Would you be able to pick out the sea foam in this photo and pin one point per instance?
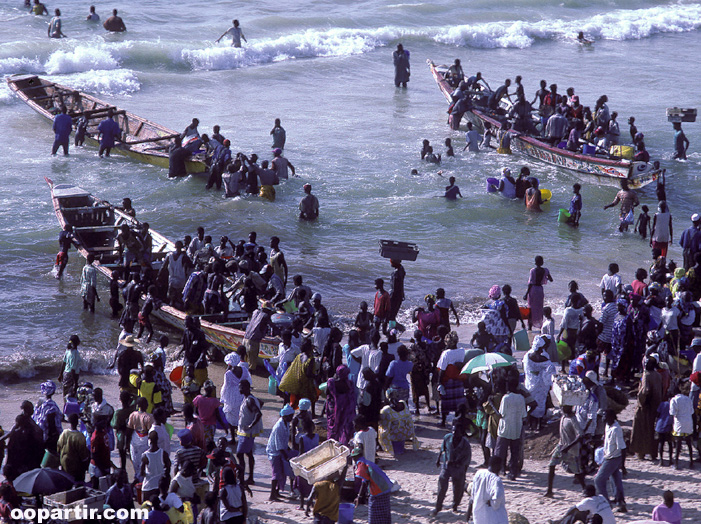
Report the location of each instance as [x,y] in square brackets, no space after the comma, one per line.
[616,25]
[80,59]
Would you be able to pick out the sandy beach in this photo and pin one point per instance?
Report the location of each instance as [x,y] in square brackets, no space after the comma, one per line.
[416,472]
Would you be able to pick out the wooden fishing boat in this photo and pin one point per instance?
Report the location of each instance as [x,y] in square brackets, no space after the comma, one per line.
[142,139]
[96,224]
[607,169]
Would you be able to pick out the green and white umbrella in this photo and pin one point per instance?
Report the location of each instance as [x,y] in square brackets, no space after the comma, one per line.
[486,362]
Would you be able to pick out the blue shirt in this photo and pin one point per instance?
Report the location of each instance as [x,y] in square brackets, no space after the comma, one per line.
[63,125]
[277,441]
[575,204]
[452,192]
[397,371]
[664,420]
[110,130]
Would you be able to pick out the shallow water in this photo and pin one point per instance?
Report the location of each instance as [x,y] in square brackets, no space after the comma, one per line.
[325,69]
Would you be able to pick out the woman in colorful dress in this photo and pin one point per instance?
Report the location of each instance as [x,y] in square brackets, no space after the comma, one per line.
[340,406]
[538,277]
[396,425]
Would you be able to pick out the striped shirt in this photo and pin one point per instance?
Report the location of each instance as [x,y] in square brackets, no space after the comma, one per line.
[608,315]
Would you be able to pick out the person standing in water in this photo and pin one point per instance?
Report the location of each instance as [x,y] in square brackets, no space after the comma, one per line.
[681,143]
[114,23]
[402,69]
[55,26]
[452,191]
[628,199]
[92,15]
[63,125]
[279,135]
[309,205]
[236,34]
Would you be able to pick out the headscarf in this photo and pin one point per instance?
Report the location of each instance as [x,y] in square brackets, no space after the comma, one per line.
[494,292]
[305,404]
[48,388]
[232,359]
[451,340]
[538,342]
[287,410]
[679,272]
[342,372]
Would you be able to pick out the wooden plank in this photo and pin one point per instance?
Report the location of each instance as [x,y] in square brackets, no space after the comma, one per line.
[155,139]
[96,228]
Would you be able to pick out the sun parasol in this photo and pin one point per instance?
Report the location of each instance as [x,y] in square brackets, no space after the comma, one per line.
[43,481]
[486,362]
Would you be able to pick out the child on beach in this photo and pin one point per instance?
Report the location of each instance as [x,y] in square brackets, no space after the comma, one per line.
[642,226]
[481,339]
[682,409]
[663,431]
[365,437]
[363,323]
[305,442]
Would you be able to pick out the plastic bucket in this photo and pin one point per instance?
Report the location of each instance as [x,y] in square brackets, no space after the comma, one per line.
[492,185]
[563,215]
[345,513]
[545,195]
[521,340]
[588,149]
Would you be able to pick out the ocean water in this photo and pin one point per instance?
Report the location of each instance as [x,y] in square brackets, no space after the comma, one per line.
[325,69]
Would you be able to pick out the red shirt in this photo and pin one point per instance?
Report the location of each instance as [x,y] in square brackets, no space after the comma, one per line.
[207,408]
[100,449]
[382,304]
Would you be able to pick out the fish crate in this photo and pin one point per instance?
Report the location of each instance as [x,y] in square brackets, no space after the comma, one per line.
[82,498]
[563,392]
[678,114]
[398,250]
[323,461]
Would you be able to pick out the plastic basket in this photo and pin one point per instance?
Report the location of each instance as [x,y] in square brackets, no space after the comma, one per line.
[398,250]
[492,185]
[563,215]
[78,497]
[567,397]
[521,340]
[588,149]
[321,462]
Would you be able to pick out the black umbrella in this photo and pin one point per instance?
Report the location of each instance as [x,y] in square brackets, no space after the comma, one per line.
[43,481]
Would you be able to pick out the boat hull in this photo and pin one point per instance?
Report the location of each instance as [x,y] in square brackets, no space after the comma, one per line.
[97,235]
[150,139]
[638,174]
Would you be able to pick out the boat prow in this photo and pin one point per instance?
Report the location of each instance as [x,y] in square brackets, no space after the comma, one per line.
[142,139]
[608,170]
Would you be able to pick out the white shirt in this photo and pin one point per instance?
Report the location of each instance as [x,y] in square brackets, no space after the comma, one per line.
[368,439]
[513,411]
[369,358]
[488,487]
[450,356]
[598,505]
[612,282]
[681,408]
[613,441]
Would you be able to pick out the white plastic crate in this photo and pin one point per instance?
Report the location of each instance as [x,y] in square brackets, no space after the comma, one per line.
[323,461]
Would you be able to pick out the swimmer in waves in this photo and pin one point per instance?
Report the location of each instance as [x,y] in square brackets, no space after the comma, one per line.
[582,40]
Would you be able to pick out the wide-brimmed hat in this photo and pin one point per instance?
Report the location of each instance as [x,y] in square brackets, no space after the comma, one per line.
[129,341]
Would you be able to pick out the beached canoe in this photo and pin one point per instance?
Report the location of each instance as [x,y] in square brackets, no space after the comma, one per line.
[142,139]
[96,224]
[610,170]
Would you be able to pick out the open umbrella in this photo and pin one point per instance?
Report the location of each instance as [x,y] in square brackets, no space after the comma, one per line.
[43,481]
[486,362]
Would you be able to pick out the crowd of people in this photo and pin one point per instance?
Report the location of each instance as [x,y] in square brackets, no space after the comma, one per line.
[371,383]
[558,119]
